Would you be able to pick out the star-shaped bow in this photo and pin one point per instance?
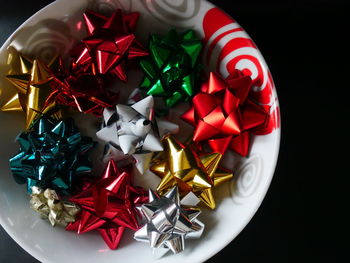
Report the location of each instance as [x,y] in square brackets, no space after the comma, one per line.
[109,205]
[135,131]
[109,45]
[97,60]
[52,155]
[169,223]
[223,114]
[172,70]
[35,83]
[181,165]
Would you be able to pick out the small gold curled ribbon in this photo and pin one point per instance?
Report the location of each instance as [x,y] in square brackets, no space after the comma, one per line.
[49,206]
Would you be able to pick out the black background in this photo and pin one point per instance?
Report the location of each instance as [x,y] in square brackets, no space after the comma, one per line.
[305,45]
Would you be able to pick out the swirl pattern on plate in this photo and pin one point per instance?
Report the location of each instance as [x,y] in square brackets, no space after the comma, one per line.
[107,7]
[174,12]
[44,40]
[249,175]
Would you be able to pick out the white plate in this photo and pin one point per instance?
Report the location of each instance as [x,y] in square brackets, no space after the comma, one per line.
[54,29]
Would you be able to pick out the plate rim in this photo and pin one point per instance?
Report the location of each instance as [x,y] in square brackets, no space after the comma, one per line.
[224,243]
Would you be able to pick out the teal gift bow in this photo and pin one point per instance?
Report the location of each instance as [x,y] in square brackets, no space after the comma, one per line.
[52,154]
[172,69]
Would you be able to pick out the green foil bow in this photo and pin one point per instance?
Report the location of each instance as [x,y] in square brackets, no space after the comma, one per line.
[172,68]
[52,155]
[50,207]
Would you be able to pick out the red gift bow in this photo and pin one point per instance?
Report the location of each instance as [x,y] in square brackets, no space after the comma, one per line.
[109,205]
[109,45]
[97,60]
[86,92]
[223,114]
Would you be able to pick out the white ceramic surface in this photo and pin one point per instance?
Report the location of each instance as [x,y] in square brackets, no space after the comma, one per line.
[55,29]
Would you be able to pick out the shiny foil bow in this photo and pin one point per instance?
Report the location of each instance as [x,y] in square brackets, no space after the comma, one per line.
[169,223]
[86,92]
[109,205]
[97,60]
[50,207]
[172,70]
[34,82]
[109,45]
[193,172]
[135,131]
[223,114]
[52,155]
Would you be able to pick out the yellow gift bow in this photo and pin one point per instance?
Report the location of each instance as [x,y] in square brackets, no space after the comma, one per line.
[32,80]
[180,165]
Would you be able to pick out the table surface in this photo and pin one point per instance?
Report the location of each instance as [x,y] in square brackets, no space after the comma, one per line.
[304,45]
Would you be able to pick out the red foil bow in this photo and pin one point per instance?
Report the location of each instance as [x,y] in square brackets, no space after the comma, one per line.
[97,60]
[223,114]
[109,205]
[86,92]
[109,45]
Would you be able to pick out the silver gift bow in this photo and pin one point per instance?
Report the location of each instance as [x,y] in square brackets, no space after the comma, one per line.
[169,223]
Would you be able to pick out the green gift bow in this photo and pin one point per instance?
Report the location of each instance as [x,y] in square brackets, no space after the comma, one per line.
[172,69]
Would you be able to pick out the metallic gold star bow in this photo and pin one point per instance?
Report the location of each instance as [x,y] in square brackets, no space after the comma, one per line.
[34,82]
[197,172]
